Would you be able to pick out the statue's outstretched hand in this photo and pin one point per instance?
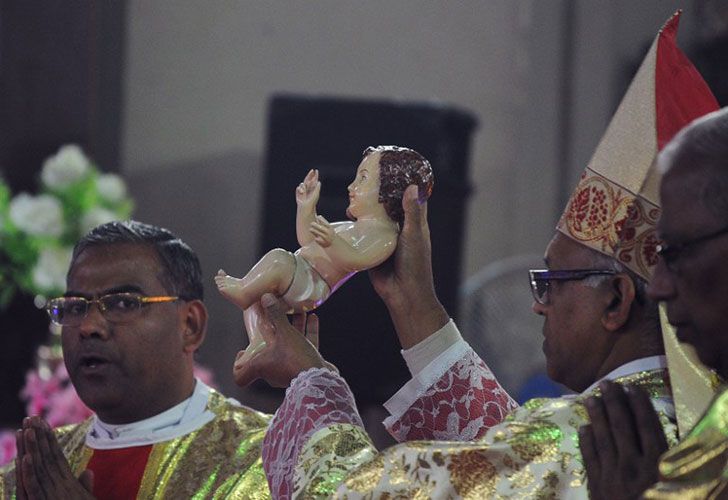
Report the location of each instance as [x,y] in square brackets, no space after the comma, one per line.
[307,192]
[322,231]
[284,352]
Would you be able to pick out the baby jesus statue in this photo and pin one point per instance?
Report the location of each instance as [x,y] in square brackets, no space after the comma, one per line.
[331,253]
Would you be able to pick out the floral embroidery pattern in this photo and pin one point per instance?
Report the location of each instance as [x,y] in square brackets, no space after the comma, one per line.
[461,406]
[606,217]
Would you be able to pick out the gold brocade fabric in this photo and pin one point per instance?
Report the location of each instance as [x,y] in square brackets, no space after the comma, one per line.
[219,460]
[698,466]
[534,453]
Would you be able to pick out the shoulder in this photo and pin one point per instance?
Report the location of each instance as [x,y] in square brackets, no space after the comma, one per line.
[73,435]
[232,413]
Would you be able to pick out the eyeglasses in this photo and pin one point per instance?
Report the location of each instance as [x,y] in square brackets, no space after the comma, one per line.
[671,254]
[115,307]
[541,278]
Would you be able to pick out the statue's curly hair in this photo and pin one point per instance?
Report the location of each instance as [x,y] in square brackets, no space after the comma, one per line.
[398,168]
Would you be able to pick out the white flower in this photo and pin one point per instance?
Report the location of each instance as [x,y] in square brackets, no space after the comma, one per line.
[111,187]
[95,217]
[50,271]
[37,215]
[66,167]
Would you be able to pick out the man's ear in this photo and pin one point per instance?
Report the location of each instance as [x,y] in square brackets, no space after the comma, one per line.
[622,295]
[194,324]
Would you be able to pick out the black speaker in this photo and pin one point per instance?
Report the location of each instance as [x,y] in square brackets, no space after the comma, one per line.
[330,134]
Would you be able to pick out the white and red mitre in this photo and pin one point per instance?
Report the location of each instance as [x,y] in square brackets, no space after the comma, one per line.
[615,206]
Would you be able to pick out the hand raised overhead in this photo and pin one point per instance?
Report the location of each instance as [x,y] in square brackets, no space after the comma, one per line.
[405,282]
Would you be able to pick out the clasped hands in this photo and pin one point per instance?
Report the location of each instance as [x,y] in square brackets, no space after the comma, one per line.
[41,469]
[623,443]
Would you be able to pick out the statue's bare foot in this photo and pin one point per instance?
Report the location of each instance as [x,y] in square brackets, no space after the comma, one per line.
[231,288]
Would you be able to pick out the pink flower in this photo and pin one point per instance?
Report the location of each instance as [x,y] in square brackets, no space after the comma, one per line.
[7,446]
[205,375]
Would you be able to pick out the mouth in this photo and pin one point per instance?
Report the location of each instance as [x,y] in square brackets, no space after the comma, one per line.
[93,363]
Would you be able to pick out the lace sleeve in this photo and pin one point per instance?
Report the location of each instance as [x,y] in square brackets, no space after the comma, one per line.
[316,398]
[456,398]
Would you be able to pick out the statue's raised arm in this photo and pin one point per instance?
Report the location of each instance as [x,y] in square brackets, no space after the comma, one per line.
[307,196]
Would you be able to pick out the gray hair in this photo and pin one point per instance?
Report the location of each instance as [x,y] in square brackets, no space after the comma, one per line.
[704,145]
[182,273]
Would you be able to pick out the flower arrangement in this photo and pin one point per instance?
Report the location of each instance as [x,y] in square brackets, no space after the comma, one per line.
[37,232]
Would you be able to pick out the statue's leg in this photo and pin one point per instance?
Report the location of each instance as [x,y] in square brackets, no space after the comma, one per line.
[272,274]
[251,317]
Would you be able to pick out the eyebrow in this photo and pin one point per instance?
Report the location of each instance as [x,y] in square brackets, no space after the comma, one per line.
[116,289]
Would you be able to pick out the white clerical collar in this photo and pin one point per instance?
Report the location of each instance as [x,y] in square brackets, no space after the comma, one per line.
[638,365]
[181,419]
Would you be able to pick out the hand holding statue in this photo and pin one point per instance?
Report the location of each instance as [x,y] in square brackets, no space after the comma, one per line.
[41,469]
[331,253]
[405,282]
[284,351]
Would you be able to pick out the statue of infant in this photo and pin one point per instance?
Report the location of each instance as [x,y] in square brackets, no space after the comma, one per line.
[331,253]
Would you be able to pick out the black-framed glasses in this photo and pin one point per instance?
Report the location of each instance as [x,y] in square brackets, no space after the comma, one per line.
[115,307]
[541,278]
[671,254]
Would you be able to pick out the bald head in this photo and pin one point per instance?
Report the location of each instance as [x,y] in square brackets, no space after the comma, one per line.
[698,156]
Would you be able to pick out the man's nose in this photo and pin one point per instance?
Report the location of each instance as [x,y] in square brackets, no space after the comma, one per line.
[661,286]
[538,308]
[94,323]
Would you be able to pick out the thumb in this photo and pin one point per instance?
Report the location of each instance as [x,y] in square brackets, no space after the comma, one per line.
[245,372]
[87,480]
[274,313]
[414,211]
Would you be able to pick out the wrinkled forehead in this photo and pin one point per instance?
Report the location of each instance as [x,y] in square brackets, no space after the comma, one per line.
[683,186]
[103,267]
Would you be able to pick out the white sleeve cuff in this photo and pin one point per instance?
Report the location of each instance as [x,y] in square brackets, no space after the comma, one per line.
[398,404]
[420,355]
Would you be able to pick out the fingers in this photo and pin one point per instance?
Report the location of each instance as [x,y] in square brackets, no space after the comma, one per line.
[651,435]
[51,443]
[602,432]
[299,322]
[588,447]
[414,211]
[245,372]
[20,445]
[621,420]
[35,475]
[274,313]
[312,330]
[30,483]
[87,480]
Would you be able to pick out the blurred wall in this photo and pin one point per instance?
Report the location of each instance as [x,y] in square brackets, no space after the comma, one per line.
[543,77]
